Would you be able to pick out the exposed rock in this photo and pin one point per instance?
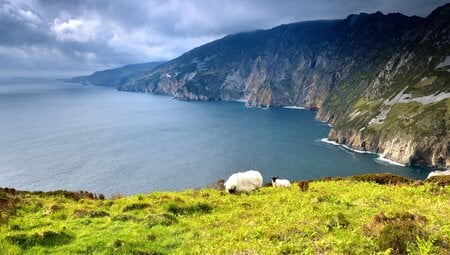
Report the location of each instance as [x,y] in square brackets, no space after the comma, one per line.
[431,152]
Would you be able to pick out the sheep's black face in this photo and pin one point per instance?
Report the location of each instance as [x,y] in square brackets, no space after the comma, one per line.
[274,178]
[232,191]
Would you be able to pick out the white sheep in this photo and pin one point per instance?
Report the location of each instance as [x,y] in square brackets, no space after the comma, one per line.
[280,182]
[244,181]
[438,173]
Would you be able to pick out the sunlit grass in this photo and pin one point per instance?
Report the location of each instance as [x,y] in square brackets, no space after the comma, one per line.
[335,217]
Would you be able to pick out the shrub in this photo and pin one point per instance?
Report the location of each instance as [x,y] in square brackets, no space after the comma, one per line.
[80,213]
[164,219]
[443,180]
[67,194]
[8,203]
[396,232]
[384,179]
[178,209]
[338,221]
[47,238]
[98,214]
[303,185]
[218,185]
[135,206]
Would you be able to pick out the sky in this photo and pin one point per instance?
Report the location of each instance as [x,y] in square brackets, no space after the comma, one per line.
[70,37]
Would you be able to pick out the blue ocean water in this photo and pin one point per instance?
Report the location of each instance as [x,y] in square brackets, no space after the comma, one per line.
[56,135]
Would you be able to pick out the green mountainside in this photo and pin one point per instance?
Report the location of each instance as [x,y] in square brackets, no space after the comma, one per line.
[368,214]
[383,81]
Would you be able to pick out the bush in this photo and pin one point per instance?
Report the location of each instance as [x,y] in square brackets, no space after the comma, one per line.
[80,213]
[303,185]
[178,209]
[384,179]
[164,219]
[396,232]
[443,180]
[136,206]
[8,203]
[47,238]
[338,221]
[67,194]
[218,185]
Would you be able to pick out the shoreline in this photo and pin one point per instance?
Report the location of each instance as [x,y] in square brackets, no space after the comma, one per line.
[380,158]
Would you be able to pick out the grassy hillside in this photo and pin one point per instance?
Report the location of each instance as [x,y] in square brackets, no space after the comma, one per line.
[331,217]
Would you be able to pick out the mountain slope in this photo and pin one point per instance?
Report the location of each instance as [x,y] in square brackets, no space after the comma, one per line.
[350,69]
[116,76]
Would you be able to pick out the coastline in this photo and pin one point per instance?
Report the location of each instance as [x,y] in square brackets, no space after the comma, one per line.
[380,158]
[294,107]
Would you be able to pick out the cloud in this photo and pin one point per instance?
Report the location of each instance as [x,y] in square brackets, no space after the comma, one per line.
[80,35]
[80,29]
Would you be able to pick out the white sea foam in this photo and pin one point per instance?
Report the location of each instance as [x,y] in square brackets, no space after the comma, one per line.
[325,140]
[294,107]
[380,158]
[357,151]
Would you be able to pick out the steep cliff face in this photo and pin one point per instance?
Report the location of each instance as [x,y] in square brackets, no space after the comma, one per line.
[381,80]
[404,111]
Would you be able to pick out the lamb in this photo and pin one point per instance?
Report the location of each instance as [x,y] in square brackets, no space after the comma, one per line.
[280,182]
[244,181]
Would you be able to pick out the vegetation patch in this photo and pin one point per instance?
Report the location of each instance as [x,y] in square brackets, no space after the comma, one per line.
[80,213]
[47,238]
[218,185]
[135,206]
[303,185]
[8,203]
[405,233]
[178,209]
[338,221]
[384,179]
[443,180]
[67,194]
[164,219]
[125,217]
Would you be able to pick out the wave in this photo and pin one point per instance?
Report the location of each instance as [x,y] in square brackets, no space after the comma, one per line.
[325,140]
[294,107]
[380,158]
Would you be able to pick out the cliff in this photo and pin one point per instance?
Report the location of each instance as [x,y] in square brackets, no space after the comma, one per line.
[381,80]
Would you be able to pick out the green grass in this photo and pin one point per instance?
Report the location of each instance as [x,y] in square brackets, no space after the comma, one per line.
[331,217]
[417,119]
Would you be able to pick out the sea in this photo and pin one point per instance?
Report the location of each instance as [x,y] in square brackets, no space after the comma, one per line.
[57,135]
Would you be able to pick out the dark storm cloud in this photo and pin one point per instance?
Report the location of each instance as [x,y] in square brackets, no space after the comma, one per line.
[85,35]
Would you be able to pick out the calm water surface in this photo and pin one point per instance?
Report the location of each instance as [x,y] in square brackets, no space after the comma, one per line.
[56,135]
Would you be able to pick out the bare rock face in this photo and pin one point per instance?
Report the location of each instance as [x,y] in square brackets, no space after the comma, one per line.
[429,152]
[350,69]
